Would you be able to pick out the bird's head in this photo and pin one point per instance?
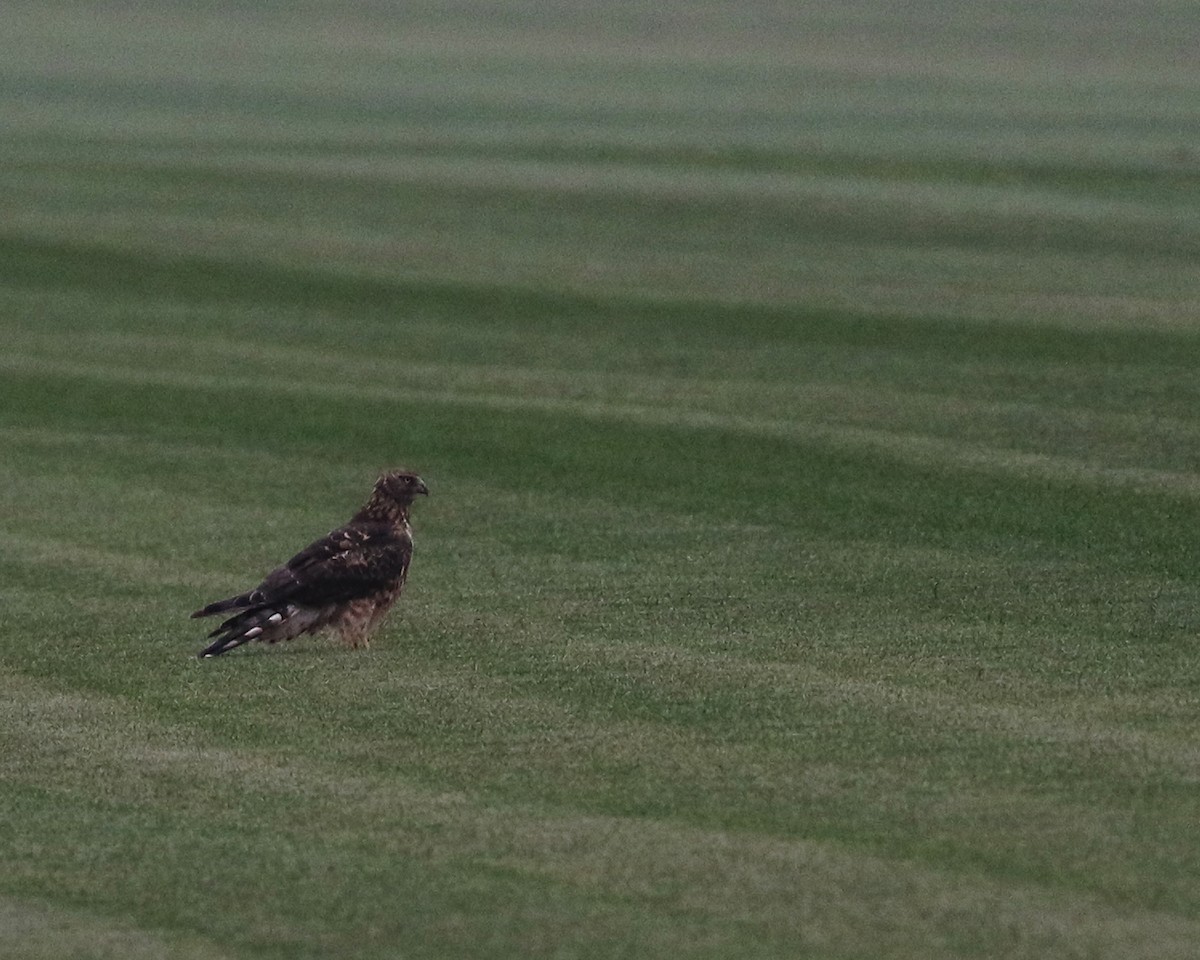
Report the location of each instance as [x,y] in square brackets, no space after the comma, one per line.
[400,486]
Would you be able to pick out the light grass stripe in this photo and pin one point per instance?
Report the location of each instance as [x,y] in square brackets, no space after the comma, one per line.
[1094,727]
[31,930]
[50,551]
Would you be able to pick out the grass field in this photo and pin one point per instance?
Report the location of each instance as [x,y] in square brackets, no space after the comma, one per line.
[809,400]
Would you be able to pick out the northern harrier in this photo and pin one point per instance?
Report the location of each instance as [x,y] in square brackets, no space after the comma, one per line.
[345,581]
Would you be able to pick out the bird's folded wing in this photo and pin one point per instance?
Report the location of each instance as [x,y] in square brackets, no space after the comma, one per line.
[350,562]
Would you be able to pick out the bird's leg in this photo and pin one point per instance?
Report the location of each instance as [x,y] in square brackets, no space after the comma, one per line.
[354,624]
[353,634]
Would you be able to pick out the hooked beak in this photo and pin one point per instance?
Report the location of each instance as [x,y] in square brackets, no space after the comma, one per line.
[421,488]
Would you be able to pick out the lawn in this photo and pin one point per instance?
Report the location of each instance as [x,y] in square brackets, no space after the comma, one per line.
[809,402]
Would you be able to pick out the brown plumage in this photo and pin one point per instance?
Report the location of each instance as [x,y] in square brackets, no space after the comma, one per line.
[345,581]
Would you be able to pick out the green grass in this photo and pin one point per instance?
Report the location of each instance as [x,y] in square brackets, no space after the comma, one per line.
[809,403]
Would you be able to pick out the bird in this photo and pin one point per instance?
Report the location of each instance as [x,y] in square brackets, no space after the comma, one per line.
[345,581]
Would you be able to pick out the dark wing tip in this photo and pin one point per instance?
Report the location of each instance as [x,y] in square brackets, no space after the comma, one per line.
[209,609]
[232,603]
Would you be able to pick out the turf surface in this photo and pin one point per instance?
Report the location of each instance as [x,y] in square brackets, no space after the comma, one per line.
[809,404]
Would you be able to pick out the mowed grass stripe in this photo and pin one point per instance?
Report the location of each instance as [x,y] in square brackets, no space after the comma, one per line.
[129,287]
[577,886]
[805,405]
[846,899]
[893,258]
[35,930]
[915,450]
[1151,184]
[842,207]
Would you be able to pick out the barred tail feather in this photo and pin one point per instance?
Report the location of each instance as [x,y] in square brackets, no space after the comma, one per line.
[266,624]
[222,645]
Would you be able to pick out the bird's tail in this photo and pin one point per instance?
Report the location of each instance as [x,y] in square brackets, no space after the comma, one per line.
[268,624]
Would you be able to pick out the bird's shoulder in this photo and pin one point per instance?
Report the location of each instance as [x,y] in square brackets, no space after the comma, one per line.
[351,542]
